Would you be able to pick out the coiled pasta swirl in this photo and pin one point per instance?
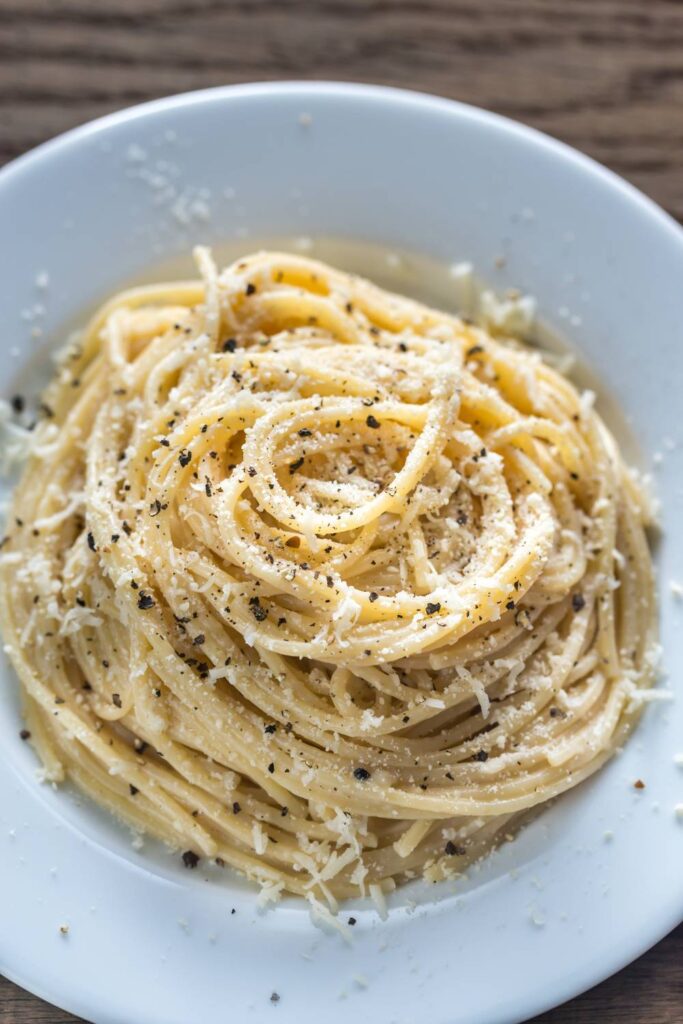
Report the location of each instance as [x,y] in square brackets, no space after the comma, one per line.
[323,584]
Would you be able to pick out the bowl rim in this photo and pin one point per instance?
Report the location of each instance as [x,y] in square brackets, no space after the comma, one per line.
[409,98]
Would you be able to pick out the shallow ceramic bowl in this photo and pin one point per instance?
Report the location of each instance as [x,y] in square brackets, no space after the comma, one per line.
[597,879]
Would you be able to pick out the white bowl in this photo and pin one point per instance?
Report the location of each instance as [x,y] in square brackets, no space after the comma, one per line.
[561,908]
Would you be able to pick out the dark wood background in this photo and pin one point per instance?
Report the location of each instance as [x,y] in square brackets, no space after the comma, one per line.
[604,75]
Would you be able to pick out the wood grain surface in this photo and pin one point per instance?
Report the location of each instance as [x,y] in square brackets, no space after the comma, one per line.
[605,76]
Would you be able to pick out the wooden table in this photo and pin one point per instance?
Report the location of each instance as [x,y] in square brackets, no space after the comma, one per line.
[604,75]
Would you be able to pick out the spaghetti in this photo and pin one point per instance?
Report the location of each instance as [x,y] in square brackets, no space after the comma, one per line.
[318,582]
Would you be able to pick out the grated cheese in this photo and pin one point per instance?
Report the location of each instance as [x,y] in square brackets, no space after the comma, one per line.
[513,315]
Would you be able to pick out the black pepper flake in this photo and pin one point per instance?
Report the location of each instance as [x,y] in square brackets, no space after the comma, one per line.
[270,729]
[165,442]
[271,767]
[145,601]
[105,663]
[230,344]
[297,464]
[199,640]
[116,700]
[284,812]
[578,602]
[274,997]
[250,289]
[155,508]
[236,808]
[91,541]
[185,457]
[80,602]
[140,745]
[362,774]
[510,606]
[474,351]
[115,538]
[352,921]
[24,734]
[59,700]
[461,518]
[372,422]
[257,611]
[18,404]
[433,607]
[133,789]
[481,755]
[207,488]
[372,596]
[126,528]
[454,849]
[190,859]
